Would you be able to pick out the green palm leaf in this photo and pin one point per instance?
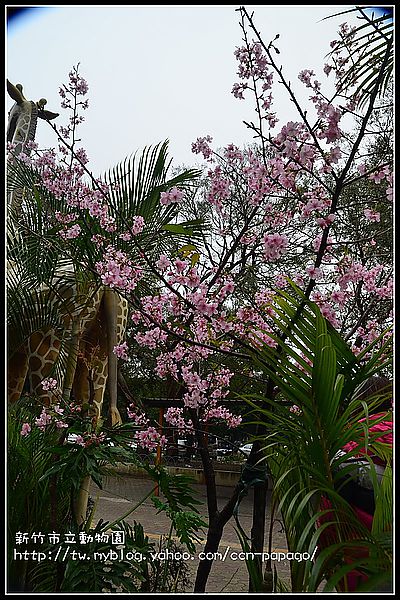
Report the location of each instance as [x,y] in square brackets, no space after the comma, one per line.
[372,51]
[135,188]
[302,449]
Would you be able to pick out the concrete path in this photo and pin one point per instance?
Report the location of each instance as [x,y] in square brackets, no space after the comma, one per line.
[229,573]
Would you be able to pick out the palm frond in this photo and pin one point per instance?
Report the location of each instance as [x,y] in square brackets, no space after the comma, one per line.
[135,188]
[302,450]
[372,50]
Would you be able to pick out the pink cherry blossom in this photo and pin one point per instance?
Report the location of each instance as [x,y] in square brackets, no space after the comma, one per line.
[314,273]
[372,215]
[174,196]
[232,153]
[137,226]
[237,91]
[26,429]
[43,420]
[325,222]
[49,384]
[79,440]
[150,438]
[201,146]
[163,263]
[334,155]
[377,176]
[281,281]
[138,417]
[71,233]
[117,271]
[121,350]
[274,246]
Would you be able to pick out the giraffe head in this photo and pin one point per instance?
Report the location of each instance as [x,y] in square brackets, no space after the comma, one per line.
[22,118]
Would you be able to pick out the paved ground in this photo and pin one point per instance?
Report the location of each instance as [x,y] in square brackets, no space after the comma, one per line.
[228,576]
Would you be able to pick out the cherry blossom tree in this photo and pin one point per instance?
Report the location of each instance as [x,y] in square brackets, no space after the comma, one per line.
[304,204]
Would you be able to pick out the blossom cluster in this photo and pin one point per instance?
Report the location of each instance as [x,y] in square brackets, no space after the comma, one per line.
[88,439]
[174,416]
[255,70]
[221,413]
[63,418]
[49,384]
[202,146]
[117,271]
[49,415]
[274,246]
[173,196]
[77,86]
[138,417]
[150,438]
[147,437]
[121,351]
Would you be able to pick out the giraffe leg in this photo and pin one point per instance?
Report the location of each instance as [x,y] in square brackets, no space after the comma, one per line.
[122,320]
[17,370]
[44,349]
[97,363]
[91,376]
[91,372]
[99,385]
[80,388]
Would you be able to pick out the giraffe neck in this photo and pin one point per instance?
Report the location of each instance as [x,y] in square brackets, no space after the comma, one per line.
[22,122]
[21,129]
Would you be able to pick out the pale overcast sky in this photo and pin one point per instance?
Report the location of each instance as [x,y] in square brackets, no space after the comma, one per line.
[157,72]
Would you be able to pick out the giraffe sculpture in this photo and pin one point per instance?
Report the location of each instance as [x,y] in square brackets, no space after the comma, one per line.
[95,318]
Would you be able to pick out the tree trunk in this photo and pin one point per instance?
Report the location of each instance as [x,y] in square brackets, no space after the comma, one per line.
[110,300]
[258,525]
[259,503]
[214,536]
[215,531]
[216,519]
[81,501]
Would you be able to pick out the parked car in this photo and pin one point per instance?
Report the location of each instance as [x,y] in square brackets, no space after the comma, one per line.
[223,451]
[246,449]
[224,448]
[182,446]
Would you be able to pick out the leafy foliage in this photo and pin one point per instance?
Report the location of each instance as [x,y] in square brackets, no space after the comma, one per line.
[34,503]
[45,473]
[178,496]
[97,566]
[170,575]
[303,448]
[135,188]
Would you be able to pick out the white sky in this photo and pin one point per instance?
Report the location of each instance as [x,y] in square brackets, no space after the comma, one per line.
[157,72]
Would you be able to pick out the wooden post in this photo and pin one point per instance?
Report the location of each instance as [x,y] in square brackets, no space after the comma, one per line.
[158,457]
